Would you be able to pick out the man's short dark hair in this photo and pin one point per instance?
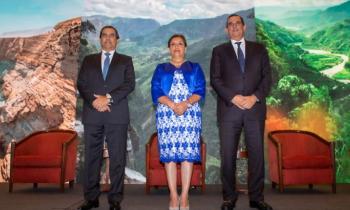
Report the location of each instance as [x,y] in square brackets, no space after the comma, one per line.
[234,15]
[177,36]
[111,27]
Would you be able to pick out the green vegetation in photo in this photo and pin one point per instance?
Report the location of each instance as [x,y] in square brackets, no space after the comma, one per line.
[307,20]
[341,114]
[285,59]
[321,62]
[292,92]
[6,65]
[334,38]
[345,74]
[281,46]
[298,87]
[347,65]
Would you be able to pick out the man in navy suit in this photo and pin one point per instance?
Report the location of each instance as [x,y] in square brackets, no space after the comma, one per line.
[241,76]
[104,82]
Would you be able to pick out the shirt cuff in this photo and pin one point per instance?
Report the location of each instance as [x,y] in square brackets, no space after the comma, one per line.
[110,99]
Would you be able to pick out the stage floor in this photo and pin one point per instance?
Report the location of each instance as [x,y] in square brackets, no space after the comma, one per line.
[48,197]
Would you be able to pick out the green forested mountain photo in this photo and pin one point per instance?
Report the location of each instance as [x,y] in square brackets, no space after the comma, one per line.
[310,63]
[310,66]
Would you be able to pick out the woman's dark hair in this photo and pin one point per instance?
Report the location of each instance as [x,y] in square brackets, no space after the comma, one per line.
[177,36]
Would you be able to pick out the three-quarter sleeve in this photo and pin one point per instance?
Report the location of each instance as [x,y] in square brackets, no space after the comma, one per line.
[156,85]
[199,85]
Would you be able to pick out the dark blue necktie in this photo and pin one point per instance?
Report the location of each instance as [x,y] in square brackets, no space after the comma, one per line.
[106,65]
[240,56]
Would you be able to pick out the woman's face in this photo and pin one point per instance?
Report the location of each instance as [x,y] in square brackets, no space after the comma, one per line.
[177,48]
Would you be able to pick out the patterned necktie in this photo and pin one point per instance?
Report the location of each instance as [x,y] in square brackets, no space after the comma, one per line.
[106,65]
[240,56]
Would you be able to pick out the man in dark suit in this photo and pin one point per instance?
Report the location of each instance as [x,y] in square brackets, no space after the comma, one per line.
[240,75]
[104,82]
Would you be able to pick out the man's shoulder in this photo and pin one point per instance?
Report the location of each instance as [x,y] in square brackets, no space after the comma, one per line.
[92,56]
[123,56]
[222,46]
[255,45]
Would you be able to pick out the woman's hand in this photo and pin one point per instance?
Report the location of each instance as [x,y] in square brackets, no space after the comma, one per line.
[181,108]
[171,105]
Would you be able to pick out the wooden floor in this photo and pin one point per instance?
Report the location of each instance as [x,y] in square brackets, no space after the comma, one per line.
[48,197]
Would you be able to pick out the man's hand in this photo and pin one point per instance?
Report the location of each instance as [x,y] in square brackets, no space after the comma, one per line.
[249,101]
[244,102]
[101,103]
[239,100]
[181,108]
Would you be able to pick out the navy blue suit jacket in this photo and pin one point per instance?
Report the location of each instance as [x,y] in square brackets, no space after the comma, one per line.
[228,80]
[119,83]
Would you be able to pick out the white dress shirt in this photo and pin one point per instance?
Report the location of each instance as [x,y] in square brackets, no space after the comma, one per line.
[103,57]
[236,47]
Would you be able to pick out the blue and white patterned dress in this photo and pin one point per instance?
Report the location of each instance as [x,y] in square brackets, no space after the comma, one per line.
[179,136]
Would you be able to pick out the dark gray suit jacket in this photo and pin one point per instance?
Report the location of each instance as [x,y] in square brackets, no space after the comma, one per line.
[228,80]
[120,81]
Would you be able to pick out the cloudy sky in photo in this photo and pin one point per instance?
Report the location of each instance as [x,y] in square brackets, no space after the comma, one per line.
[165,11]
[21,15]
[297,3]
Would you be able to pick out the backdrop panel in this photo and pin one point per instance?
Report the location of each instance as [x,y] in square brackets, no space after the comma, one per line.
[309,50]
[144,35]
[39,62]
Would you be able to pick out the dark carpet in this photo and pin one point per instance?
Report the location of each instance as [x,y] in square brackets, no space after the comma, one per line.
[48,197]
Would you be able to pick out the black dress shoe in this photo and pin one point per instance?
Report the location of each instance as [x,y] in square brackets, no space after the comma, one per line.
[114,205]
[261,205]
[228,205]
[87,205]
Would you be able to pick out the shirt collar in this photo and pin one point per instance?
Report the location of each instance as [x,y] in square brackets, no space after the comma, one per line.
[110,52]
[242,42]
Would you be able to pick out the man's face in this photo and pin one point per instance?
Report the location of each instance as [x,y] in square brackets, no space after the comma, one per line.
[235,28]
[108,39]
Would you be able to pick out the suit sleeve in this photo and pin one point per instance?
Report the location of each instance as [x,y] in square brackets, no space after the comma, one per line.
[199,88]
[82,83]
[128,85]
[216,79]
[156,86]
[265,84]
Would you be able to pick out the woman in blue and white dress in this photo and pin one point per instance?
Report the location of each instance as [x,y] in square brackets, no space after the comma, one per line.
[177,87]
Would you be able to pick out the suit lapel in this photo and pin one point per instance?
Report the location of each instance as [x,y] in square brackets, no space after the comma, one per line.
[232,56]
[114,60]
[98,66]
[249,51]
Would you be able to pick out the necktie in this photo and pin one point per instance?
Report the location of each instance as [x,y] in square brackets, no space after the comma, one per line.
[106,65]
[240,56]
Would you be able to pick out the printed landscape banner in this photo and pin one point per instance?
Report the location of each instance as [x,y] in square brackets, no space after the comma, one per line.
[39,50]
[144,35]
[40,59]
[309,48]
